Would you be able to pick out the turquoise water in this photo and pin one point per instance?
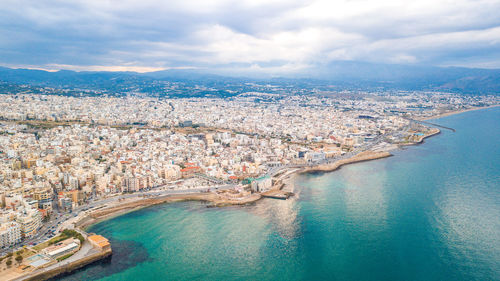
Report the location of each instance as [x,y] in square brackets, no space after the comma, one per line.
[430,212]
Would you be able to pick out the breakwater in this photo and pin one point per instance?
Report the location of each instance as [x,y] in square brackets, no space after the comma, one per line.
[360,157]
[431,124]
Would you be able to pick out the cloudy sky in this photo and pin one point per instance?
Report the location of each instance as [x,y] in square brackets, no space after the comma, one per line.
[246,35]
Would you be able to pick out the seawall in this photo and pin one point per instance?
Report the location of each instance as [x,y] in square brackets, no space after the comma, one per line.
[123,208]
[360,157]
[70,267]
[433,132]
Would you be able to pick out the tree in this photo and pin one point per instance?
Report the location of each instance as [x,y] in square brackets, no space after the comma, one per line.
[9,262]
[19,259]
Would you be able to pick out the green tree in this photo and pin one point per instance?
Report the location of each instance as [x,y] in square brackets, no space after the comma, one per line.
[9,262]
[19,259]
[47,218]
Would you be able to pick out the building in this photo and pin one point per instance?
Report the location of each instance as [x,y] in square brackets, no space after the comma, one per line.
[75,195]
[62,248]
[315,156]
[10,234]
[66,204]
[190,171]
[262,184]
[187,123]
[135,183]
[171,172]
[30,221]
[99,242]
[43,196]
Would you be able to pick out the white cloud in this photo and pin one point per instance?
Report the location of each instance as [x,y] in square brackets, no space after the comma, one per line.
[278,35]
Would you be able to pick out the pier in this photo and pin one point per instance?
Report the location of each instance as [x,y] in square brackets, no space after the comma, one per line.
[429,123]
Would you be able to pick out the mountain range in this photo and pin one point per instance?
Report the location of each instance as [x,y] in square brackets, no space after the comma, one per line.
[341,74]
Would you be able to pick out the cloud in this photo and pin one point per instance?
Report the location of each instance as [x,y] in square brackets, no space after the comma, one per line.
[249,35]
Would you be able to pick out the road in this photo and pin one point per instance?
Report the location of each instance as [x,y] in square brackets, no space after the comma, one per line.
[58,218]
[376,141]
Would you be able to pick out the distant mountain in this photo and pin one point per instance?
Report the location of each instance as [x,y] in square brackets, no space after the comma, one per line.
[344,74]
[410,77]
[183,74]
[111,81]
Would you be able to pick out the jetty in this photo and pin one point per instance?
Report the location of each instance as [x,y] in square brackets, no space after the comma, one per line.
[429,123]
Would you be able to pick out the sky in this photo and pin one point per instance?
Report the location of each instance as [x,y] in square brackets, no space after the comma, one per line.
[268,36]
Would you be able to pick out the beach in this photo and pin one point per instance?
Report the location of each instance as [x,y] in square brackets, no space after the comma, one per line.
[457,112]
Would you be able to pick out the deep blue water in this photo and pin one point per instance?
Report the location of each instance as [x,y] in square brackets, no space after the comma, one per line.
[430,212]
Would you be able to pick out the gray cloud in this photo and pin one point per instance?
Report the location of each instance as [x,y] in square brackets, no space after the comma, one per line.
[266,36]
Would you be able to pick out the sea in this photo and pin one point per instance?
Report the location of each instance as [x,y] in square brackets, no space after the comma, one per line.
[430,212]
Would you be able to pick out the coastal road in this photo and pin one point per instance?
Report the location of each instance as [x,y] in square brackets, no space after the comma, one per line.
[378,140]
[58,219]
[58,222]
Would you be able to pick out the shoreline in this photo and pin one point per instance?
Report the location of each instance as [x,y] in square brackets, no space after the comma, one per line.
[127,207]
[433,132]
[364,156]
[279,191]
[67,269]
[457,112]
[367,155]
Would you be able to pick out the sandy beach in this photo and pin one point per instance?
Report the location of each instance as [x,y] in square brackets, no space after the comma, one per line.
[457,112]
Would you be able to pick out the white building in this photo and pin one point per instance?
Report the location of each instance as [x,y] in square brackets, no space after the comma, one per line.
[315,156]
[10,234]
[62,248]
[30,221]
[171,172]
[262,184]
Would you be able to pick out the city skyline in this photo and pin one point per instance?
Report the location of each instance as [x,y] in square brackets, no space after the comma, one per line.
[249,140]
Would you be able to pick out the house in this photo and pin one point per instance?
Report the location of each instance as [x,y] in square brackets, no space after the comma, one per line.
[99,242]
